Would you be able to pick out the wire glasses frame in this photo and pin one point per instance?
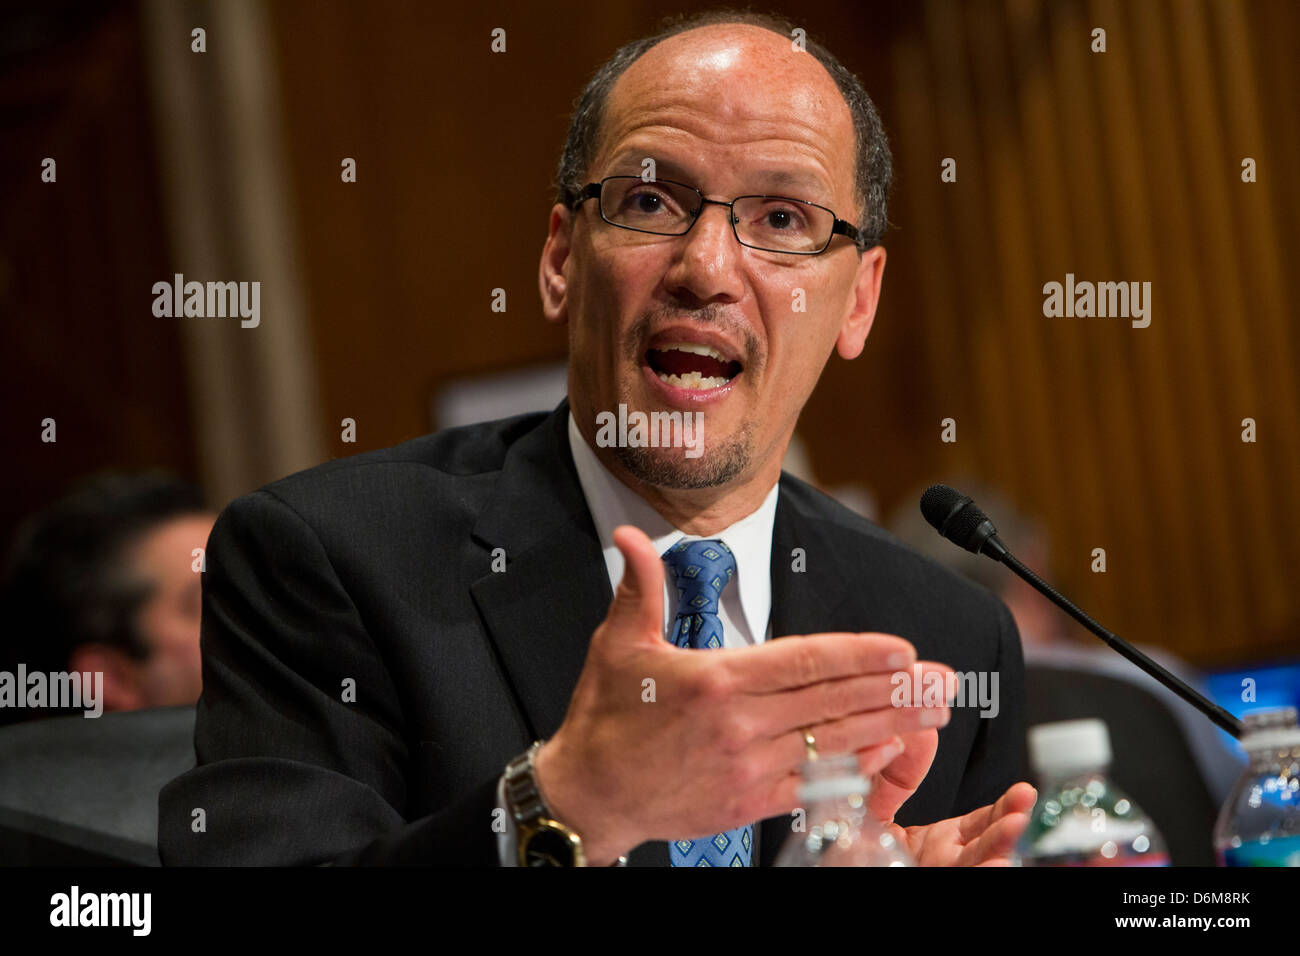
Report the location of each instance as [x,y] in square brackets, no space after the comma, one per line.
[597,191]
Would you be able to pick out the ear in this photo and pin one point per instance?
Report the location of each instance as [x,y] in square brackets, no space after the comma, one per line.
[862,311]
[123,687]
[551,278]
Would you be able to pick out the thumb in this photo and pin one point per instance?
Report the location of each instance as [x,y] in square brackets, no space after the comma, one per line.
[638,604]
[898,781]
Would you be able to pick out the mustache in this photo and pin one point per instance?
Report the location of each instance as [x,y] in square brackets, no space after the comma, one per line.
[720,317]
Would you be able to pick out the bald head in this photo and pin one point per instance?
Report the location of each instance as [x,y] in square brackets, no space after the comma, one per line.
[744,92]
[750,60]
[741,62]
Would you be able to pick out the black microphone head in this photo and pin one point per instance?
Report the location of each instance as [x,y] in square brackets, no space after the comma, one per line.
[939,503]
[958,518]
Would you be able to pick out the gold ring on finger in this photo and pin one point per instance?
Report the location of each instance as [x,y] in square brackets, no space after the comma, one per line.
[809,744]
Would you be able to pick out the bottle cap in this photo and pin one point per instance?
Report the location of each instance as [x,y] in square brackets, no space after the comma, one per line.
[833,788]
[1271,729]
[832,778]
[1069,746]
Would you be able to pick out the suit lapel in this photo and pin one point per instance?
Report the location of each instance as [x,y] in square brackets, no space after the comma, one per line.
[809,589]
[540,613]
[809,586]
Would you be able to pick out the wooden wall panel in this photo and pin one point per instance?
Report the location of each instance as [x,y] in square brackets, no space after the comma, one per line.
[77,260]
[1123,165]
[1116,166]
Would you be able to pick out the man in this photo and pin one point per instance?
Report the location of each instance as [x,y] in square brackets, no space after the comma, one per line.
[105,582]
[385,635]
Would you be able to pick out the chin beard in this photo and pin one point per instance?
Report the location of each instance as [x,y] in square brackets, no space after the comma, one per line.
[669,468]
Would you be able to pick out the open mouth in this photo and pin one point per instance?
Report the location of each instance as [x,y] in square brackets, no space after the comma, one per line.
[691,365]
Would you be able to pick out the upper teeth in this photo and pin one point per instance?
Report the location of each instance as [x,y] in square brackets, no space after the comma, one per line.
[695,348]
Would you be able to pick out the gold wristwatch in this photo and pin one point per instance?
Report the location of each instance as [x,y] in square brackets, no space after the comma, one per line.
[542,840]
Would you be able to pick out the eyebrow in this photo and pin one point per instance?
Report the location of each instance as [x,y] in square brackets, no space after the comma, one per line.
[767,178]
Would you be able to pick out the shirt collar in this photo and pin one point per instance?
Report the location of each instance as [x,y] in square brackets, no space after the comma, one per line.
[613,503]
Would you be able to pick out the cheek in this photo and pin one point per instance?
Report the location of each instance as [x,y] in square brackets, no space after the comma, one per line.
[614,292]
[173,632]
[802,325]
[798,347]
[626,283]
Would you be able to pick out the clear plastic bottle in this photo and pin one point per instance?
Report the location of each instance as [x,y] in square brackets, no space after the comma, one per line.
[1260,821]
[838,829]
[1081,818]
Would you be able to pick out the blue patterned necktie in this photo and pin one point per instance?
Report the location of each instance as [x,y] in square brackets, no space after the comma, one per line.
[703,569]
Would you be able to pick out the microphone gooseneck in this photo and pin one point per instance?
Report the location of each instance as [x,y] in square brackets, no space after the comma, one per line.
[959,519]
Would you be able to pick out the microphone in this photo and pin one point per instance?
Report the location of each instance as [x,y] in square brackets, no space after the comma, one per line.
[959,519]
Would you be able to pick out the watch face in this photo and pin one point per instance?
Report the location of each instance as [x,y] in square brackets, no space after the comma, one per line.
[549,847]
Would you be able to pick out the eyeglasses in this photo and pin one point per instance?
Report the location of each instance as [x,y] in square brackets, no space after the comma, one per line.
[767,223]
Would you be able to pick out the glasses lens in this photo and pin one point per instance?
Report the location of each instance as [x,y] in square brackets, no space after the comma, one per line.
[664,208]
[782,225]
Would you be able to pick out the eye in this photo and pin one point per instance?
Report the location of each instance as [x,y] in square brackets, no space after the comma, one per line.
[779,216]
[647,201]
[782,219]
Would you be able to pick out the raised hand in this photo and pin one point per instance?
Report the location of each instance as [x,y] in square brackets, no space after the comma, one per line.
[721,743]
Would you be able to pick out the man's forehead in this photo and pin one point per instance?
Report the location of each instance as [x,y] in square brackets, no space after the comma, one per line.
[783,169]
[734,86]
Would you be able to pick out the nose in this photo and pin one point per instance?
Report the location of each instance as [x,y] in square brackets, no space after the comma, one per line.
[708,261]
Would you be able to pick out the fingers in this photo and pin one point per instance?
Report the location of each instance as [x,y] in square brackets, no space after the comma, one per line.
[857,732]
[875,759]
[994,846]
[782,796]
[854,714]
[638,606]
[775,714]
[783,793]
[899,780]
[798,661]
[1019,798]
[983,837]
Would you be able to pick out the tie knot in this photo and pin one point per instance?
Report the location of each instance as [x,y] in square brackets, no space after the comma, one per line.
[702,569]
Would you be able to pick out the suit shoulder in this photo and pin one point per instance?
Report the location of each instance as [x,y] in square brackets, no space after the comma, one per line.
[465,451]
[455,468]
[862,540]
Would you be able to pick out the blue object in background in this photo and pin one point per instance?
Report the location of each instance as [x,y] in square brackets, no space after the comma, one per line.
[1276,684]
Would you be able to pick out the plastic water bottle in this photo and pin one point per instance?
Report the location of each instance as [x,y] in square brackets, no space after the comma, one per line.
[1260,822]
[838,830]
[1081,818]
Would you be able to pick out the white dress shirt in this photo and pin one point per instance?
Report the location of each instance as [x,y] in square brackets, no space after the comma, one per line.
[746,605]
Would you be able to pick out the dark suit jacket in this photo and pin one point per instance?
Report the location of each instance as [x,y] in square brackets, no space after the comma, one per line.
[376,572]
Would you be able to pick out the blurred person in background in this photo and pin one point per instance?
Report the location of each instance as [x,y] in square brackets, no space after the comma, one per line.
[106,580]
[1049,638]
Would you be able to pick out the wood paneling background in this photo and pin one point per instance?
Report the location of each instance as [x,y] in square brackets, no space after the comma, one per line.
[1122,166]
[77,260]
[1116,166]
